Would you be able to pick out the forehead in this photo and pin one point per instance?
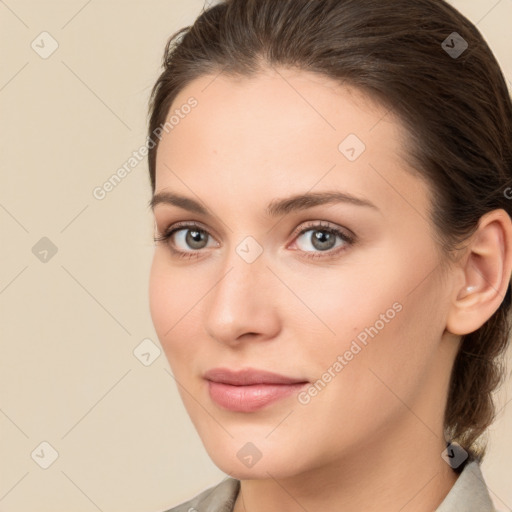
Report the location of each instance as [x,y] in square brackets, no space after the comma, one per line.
[277,99]
[259,135]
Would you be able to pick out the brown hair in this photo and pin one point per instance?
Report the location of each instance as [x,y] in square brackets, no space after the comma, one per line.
[456,109]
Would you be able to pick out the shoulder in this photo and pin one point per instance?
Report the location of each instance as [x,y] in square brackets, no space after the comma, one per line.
[219,498]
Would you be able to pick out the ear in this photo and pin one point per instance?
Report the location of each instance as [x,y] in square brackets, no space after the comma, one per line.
[485,271]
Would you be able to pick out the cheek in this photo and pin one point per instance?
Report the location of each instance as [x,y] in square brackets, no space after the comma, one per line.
[385,317]
[336,304]
[167,298]
[159,298]
[174,299]
[387,353]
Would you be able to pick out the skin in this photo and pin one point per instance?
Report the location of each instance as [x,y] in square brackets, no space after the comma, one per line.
[378,424]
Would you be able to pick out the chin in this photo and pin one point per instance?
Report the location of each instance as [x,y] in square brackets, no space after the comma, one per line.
[258,460]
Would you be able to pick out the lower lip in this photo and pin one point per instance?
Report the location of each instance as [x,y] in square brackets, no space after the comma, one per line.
[252,397]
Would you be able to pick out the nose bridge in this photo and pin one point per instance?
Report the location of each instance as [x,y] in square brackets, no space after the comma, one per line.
[242,281]
[239,301]
[244,269]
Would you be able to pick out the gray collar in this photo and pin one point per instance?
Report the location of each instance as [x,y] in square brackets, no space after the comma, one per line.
[469,493]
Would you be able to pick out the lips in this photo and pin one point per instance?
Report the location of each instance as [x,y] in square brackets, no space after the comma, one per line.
[248,390]
[248,376]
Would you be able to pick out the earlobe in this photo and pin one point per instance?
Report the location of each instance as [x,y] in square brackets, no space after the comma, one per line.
[486,270]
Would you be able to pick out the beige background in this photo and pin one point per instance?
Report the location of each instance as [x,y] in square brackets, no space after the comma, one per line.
[69,325]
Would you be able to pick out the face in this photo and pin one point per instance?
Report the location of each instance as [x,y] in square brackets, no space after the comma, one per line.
[340,294]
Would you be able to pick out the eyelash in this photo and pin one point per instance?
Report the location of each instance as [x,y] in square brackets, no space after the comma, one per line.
[313,226]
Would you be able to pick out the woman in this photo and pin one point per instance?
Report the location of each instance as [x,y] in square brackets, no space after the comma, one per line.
[331,282]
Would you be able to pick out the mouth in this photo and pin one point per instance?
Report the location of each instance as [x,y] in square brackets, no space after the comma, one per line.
[249,390]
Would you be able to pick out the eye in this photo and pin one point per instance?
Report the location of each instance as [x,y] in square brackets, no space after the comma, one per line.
[323,238]
[185,240]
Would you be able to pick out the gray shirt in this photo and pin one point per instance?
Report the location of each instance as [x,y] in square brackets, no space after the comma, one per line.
[469,494]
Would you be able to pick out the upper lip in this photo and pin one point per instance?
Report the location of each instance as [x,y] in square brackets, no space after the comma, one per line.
[248,376]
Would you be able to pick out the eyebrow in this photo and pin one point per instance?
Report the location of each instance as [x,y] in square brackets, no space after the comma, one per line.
[275,208]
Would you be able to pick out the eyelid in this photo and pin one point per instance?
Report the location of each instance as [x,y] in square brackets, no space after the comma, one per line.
[347,233]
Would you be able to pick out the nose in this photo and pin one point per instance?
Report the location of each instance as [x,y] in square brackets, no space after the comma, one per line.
[244,303]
